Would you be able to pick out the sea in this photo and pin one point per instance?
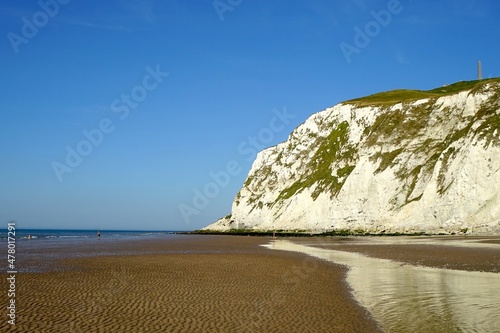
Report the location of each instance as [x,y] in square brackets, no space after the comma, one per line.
[37,250]
[62,235]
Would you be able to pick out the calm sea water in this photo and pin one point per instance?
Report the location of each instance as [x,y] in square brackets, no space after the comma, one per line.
[40,252]
[61,235]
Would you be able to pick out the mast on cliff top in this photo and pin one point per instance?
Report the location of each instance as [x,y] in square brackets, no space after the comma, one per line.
[479,71]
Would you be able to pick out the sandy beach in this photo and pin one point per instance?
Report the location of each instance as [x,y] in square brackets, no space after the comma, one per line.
[187,284]
[201,283]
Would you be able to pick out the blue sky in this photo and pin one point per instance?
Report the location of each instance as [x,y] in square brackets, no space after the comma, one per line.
[165,102]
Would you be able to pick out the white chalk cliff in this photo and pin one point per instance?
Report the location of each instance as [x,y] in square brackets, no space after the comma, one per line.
[402,161]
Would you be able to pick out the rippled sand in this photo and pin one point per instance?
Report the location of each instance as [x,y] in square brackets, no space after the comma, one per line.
[189,284]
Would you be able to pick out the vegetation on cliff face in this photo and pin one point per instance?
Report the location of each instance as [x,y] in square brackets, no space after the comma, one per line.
[404,95]
[408,127]
[400,138]
[489,118]
[332,149]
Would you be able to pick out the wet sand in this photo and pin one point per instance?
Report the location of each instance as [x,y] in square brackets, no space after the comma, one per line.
[187,284]
[450,252]
[429,284]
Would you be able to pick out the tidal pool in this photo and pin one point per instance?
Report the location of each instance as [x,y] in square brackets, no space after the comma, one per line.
[407,298]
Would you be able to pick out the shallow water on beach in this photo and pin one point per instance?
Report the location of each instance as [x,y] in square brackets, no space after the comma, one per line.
[46,247]
[406,298]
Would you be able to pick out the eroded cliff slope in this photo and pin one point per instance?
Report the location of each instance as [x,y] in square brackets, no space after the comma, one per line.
[401,161]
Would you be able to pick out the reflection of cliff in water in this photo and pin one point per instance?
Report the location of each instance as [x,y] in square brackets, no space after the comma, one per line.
[405,298]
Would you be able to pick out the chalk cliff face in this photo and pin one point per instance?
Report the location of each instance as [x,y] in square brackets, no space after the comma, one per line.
[402,161]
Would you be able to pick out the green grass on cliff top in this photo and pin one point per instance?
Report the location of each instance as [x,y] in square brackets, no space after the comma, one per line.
[403,95]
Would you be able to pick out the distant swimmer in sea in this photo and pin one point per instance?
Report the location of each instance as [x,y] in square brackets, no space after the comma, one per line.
[98,234]
[29,236]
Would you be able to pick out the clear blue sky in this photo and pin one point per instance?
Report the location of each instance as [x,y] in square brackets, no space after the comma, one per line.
[172,91]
